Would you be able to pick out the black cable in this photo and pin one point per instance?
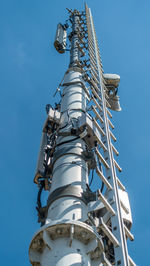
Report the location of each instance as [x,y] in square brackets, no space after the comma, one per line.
[39,208]
[102,186]
[92,178]
[63,126]
[67,141]
[39,194]
[88,187]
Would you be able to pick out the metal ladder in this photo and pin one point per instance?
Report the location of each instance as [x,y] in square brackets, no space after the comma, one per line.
[115,230]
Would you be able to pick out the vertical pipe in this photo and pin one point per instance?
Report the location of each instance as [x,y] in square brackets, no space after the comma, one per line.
[61,241]
[70,169]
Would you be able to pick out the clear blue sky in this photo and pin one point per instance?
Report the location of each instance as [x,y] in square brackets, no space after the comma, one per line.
[30,70]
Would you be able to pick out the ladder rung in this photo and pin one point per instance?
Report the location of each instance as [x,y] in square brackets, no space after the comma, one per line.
[97,114]
[98,126]
[92,62]
[92,55]
[112,136]
[90,42]
[107,104]
[97,104]
[101,73]
[106,203]
[92,59]
[101,70]
[102,159]
[117,166]
[103,178]
[94,68]
[96,94]
[124,207]
[94,71]
[114,149]
[94,78]
[120,184]
[106,95]
[128,233]
[107,231]
[132,263]
[102,85]
[94,84]
[87,91]
[89,33]
[110,123]
[100,62]
[91,49]
[90,39]
[105,89]
[101,144]
[109,113]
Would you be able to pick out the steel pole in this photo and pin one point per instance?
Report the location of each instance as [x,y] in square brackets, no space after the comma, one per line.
[66,239]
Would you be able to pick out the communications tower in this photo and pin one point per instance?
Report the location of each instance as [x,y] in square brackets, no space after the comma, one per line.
[80,226]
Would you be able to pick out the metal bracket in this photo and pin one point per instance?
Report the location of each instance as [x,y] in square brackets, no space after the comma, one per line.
[71,191]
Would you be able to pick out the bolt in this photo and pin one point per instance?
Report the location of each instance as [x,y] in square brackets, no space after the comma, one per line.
[58,231]
[83,234]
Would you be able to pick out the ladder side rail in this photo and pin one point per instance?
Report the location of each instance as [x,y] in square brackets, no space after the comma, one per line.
[121,252]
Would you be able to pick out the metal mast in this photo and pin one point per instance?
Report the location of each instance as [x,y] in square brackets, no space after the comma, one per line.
[79,226]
